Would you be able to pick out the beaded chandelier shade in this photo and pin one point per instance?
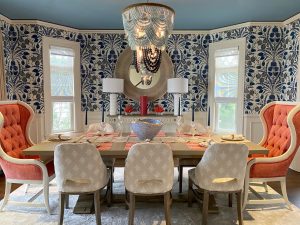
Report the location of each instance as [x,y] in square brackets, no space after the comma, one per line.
[147,27]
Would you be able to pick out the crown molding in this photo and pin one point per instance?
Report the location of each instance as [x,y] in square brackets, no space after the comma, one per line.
[4,18]
[218,30]
[102,31]
[292,19]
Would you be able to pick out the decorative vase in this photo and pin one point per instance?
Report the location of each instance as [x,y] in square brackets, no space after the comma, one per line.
[143,105]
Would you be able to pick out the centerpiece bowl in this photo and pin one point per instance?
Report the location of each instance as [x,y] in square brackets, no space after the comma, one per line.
[146,129]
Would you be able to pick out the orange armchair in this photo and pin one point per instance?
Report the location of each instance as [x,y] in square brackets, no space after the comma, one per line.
[281,124]
[15,119]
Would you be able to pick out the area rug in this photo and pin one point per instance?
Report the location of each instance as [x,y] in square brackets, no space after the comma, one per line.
[148,213]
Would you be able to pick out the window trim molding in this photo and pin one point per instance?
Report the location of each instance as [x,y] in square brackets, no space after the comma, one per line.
[298,75]
[241,43]
[78,120]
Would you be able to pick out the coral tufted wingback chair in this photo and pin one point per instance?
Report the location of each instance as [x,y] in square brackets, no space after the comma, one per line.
[281,124]
[15,119]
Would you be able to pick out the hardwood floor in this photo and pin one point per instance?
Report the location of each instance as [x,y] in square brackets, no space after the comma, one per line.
[293,186]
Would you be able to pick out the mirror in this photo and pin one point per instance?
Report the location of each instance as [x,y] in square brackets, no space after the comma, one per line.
[136,80]
[133,87]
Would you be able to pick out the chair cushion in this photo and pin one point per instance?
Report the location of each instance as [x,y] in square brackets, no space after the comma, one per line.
[12,134]
[25,172]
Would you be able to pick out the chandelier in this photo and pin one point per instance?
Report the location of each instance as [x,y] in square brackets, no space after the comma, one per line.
[147,27]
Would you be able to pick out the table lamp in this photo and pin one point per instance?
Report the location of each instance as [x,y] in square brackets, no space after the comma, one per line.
[177,86]
[113,86]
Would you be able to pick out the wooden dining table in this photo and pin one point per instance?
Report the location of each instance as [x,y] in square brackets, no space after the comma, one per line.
[186,149]
[113,146]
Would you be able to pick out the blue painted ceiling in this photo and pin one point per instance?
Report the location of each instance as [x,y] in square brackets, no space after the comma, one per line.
[190,14]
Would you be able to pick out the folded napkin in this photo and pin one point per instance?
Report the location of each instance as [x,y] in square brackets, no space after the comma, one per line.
[234,137]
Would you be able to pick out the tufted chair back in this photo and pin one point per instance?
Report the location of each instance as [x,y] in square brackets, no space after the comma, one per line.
[16,117]
[278,137]
[222,162]
[79,168]
[149,169]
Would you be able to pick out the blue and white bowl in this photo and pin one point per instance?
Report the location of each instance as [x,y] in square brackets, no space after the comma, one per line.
[146,129]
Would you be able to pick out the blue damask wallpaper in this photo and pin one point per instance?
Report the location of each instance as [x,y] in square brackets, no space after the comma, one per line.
[271,64]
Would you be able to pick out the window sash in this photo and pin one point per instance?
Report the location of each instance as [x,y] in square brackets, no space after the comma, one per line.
[222,49]
[63,48]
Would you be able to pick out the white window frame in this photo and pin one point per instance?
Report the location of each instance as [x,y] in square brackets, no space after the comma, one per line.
[298,76]
[213,47]
[48,99]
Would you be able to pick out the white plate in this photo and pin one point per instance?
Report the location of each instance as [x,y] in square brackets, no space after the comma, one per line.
[61,138]
[233,139]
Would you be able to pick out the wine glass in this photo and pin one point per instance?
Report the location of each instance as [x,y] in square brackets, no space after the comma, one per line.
[179,122]
[101,128]
[209,131]
[193,128]
[119,125]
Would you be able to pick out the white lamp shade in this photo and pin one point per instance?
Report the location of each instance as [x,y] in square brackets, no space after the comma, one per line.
[178,85]
[113,85]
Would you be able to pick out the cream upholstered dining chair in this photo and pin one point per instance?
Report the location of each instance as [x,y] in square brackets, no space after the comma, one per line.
[79,169]
[221,169]
[109,162]
[15,120]
[281,124]
[149,170]
[188,129]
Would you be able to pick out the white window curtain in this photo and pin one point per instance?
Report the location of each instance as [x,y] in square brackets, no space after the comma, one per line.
[3,95]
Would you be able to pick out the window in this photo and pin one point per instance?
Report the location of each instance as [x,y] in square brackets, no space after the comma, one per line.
[226,85]
[61,85]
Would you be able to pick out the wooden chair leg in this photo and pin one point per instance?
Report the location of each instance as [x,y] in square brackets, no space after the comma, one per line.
[190,193]
[97,207]
[205,207]
[61,207]
[230,200]
[180,175]
[239,207]
[67,206]
[246,193]
[109,190]
[167,207]
[126,200]
[131,209]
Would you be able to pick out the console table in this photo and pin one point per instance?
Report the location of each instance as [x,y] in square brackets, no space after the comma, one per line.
[169,121]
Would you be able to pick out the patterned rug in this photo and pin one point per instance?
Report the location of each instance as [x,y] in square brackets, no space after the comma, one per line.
[148,213]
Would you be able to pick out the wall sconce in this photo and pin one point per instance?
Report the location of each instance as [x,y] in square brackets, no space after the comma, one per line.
[114,86]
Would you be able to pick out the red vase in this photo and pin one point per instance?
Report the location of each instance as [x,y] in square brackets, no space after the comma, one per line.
[143,105]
